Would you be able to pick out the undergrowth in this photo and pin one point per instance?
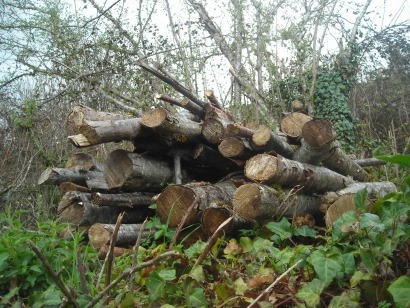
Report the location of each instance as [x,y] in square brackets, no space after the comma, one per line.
[362,261]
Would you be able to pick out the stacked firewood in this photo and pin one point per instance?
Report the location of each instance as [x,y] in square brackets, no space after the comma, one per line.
[200,166]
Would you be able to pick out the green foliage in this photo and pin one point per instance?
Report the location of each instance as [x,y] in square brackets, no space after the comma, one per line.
[26,118]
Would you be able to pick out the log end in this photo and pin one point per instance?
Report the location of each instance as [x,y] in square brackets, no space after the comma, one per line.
[213,217]
[261,136]
[261,168]
[154,117]
[98,236]
[44,178]
[293,123]
[213,131]
[318,133]
[246,201]
[231,147]
[118,166]
[79,141]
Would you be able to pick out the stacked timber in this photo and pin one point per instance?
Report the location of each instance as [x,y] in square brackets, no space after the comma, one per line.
[201,166]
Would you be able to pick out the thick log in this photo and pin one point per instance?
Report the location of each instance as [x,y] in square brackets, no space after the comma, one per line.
[257,202]
[185,103]
[236,148]
[97,132]
[268,169]
[100,234]
[370,162]
[319,139]
[122,200]
[266,140]
[81,113]
[214,159]
[237,130]
[84,161]
[68,186]
[56,176]
[132,172]
[214,128]
[175,200]
[292,124]
[172,126]
[77,209]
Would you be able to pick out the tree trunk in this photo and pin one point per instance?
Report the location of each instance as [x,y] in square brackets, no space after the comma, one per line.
[100,234]
[175,200]
[56,176]
[265,139]
[235,148]
[172,126]
[133,172]
[257,202]
[319,141]
[77,209]
[292,124]
[122,200]
[268,169]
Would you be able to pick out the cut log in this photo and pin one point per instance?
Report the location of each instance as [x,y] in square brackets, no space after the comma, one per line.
[214,159]
[214,128]
[268,169]
[212,99]
[175,200]
[236,148]
[56,176]
[257,202]
[132,172]
[79,141]
[84,161]
[370,162]
[237,130]
[185,103]
[77,209]
[100,234]
[172,126]
[97,132]
[292,124]
[319,139]
[266,140]
[297,106]
[118,251]
[68,186]
[99,184]
[122,200]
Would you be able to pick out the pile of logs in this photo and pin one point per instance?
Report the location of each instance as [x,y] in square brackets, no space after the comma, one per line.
[200,166]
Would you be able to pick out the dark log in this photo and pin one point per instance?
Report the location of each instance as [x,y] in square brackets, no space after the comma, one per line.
[268,169]
[100,234]
[99,184]
[56,176]
[77,209]
[185,103]
[84,161]
[236,148]
[266,140]
[370,162]
[215,159]
[122,199]
[257,202]
[175,200]
[172,126]
[133,172]
[212,99]
[293,123]
[68,186]
[319,141]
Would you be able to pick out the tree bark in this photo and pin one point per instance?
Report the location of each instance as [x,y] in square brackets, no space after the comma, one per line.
[100,234]
[235,148]
[265,139]
[257,202]
[212,99]
[319,146]
[185,103]
[268,169]
[292,124]
[68,186]
[133,172]
[369,162]
[84,161]
[122,200]
[237,130]
[77,209]
[175,200]
[56,176]
[172,126]
[214,159]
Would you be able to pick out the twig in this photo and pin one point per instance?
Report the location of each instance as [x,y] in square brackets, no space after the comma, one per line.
[110,255]
[268,289]
[53,274]
[81,271]
[135,253]
[182,223]
[128,272]
[211,242]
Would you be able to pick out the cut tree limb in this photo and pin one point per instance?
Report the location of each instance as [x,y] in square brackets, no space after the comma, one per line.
[236,148]
[370,162]
[185,103]
[56,176]
[212,99]
[175,200]
[84,161]
[215,159]
[265,139]
[268,169]
[257,202]
[292,124]
[122,200]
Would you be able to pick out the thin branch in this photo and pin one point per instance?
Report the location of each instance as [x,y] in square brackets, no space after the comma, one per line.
[135,253]
[110,255]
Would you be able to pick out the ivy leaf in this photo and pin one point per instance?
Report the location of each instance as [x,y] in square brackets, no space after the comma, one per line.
[240,286]
[310,293]
[400,159]
[305,231]
[197,298]
[368,258]
[399,289]
[197,273]
[349,263]
[326,266]
[358,276]
[360,199]
[155,286]
[168,274]
[349,299]
[281,229]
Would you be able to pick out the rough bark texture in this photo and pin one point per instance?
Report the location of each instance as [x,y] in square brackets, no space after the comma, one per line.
[369,162]
[292,124]
[77,209]
[268,169]
[259,202]
[133,172]
[172,126]
[56,176]
[122,200]
[264,139]
[175,200]
[185,103]
[100,234]
[235,148]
